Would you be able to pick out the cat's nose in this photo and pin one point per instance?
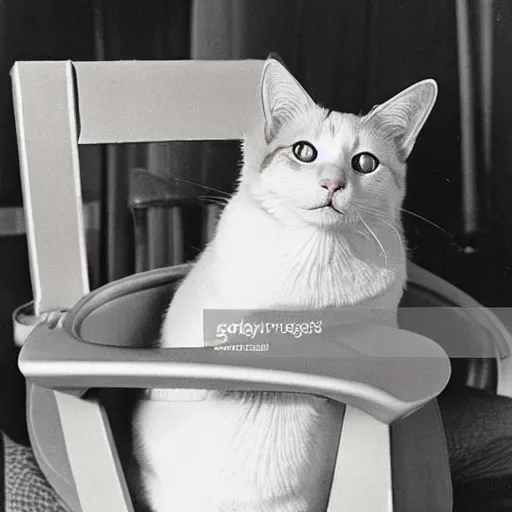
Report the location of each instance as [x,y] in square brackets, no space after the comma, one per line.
[332,186]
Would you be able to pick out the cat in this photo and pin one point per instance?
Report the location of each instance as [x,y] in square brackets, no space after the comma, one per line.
[314,223]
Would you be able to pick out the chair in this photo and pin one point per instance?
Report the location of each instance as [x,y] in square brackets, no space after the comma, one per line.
[392,453]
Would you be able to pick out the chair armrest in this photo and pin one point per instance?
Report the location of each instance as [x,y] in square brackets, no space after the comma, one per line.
[505,363]
[395,373]
[467,307]
[497,322]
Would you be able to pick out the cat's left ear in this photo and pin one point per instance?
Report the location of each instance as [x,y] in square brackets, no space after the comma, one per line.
[282,96]
[405,114]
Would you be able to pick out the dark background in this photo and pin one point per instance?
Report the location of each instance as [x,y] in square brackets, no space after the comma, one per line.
[349,55]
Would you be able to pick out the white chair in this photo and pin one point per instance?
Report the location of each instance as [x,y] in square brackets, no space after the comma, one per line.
[392,453]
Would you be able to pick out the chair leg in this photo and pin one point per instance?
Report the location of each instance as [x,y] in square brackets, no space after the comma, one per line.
[362,477]
[140,221]
[211,217]
[175,233]
[99,478]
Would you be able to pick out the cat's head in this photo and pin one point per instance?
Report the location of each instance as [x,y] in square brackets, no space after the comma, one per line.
[324,168]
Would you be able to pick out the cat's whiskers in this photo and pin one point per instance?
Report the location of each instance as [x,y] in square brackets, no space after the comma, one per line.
[376,239]
[379,216]
[205,187]
[373,211]
[418,216]
[398,236]
[305,253]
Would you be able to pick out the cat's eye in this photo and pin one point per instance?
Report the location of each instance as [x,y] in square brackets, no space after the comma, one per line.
[365,163]
[304,151]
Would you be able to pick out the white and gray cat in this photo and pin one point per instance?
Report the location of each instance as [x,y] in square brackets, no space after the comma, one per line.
[315,223]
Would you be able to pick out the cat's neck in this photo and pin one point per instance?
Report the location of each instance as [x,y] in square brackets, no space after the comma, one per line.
[303,266]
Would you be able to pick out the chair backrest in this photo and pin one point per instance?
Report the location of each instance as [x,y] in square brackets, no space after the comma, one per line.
[60,105]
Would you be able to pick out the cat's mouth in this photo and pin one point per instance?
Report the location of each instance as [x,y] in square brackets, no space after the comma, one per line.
[327,207]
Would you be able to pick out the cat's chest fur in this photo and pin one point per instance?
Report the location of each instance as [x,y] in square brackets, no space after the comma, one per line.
[256,263]
[312,270]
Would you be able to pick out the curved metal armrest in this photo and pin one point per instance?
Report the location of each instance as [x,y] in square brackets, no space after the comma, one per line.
[393,373]
[464,304]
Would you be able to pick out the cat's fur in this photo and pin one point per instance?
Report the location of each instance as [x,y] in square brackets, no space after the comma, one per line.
[267,452]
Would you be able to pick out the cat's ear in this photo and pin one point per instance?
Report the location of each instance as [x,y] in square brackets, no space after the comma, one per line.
[282,96]
[405,114]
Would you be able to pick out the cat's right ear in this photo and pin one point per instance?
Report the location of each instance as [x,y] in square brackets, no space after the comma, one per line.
[282,96]
[404,115]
